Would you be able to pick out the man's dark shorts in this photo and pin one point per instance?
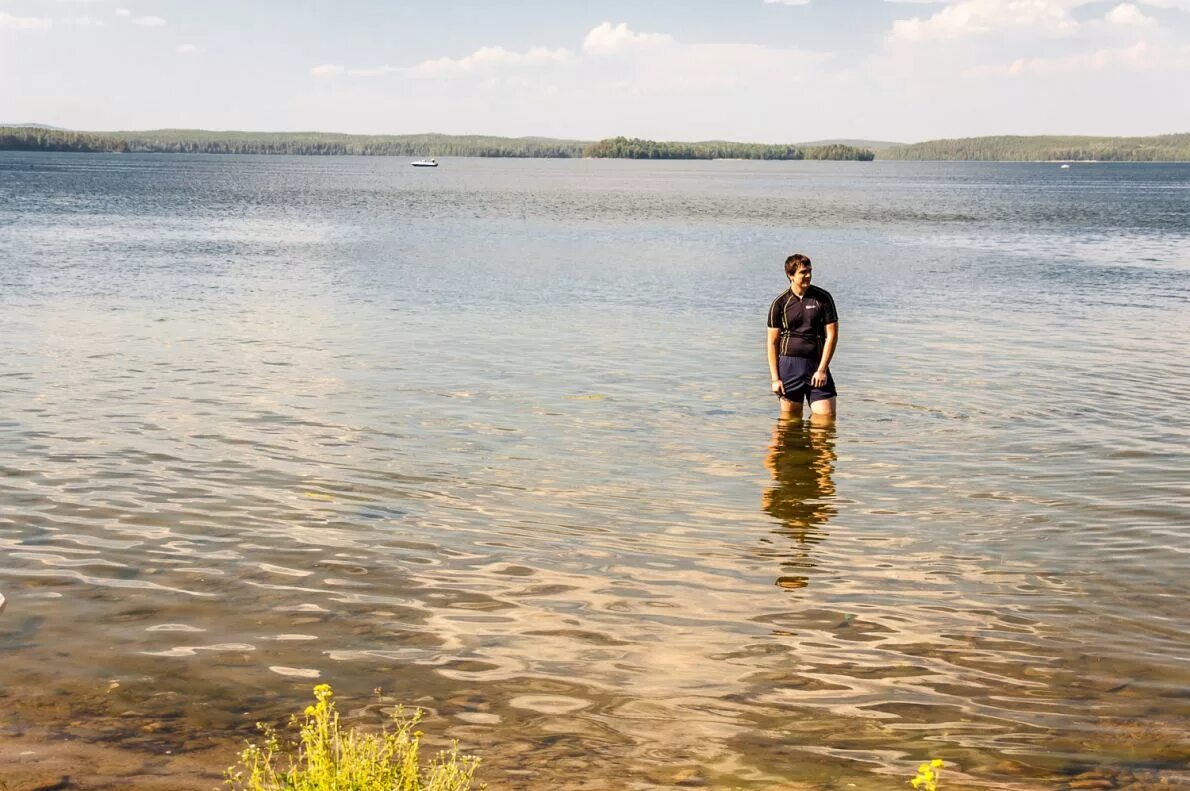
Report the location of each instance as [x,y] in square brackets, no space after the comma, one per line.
[795,373]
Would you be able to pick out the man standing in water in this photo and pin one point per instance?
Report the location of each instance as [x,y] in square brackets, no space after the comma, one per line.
[803,332]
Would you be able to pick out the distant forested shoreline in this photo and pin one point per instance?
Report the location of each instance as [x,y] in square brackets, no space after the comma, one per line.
[1159,148]
[635,148]
[1048,148]
[198,141]
[195,141]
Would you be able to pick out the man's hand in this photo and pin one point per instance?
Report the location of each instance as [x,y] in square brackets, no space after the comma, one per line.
[818,379]
[778,387]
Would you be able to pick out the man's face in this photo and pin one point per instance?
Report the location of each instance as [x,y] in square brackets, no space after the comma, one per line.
[800,280]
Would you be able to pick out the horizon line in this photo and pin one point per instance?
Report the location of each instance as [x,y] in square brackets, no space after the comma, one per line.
[819,141]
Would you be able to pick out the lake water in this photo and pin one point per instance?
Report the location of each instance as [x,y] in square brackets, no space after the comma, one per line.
[496,440]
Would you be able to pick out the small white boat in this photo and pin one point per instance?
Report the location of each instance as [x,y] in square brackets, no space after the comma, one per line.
[1065,167]
[426,163]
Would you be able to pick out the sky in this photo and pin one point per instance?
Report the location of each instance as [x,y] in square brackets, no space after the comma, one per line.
[747,70]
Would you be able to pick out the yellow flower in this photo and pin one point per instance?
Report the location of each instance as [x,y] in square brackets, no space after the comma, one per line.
[310,711]
[927,775]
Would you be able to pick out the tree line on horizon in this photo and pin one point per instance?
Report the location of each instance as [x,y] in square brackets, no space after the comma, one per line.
[36,138]
[635,148]
[1048,148]
[1160,148]
[408,145]
[195,141]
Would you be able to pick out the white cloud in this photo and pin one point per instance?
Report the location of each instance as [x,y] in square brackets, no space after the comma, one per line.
[10,22]
[1139,57]
[607,39]
[337,69]
[492,57]
[374,72]
[787,2]
[190,49]
[83,21]
[1128,14]
[327,70]
[659,66]
[123,12]
[148,21]
[975,17]
[725,68]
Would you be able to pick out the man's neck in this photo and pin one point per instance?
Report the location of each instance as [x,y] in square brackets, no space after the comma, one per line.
[796,293]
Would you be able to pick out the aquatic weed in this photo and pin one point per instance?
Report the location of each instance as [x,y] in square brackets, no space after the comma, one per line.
[329,758]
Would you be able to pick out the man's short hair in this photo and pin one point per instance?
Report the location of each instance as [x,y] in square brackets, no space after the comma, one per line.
[795,262]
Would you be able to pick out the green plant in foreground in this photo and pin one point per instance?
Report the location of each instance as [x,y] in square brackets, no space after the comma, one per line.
[328,758]
[927,776]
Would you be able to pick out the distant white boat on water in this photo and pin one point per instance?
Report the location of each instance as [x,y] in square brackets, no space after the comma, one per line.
[1065,167]
[426,163]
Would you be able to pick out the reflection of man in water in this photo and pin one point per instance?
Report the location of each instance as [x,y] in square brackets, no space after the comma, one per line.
[802,461]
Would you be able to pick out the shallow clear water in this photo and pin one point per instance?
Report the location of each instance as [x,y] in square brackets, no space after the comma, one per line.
[496,439]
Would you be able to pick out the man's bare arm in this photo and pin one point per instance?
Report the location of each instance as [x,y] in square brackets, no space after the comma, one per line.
[828,351]
[774,340]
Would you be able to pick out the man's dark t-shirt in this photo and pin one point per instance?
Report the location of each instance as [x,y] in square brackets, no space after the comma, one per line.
[802,321]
